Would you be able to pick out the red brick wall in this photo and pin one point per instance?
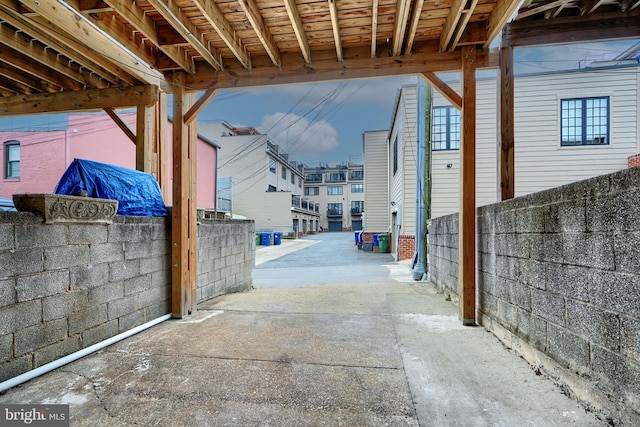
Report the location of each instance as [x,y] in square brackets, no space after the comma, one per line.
[634,160]
[406,247]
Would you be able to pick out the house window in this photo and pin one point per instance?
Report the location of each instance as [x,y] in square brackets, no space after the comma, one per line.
[334,209]
[293,178]
[445,128]
[334,190]
[271,188]
[284,172]
[357,188]
[395,155]
[311,191]
[314,177]
[584,121]
[299,182]
[357,207]
[12,159]
[337,176]
[356,175]
[272,165]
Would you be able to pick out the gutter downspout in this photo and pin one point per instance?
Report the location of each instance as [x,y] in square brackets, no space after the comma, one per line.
[424,98]
[12,382]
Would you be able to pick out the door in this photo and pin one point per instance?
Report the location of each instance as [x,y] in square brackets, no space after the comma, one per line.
[356,225]
[335,225]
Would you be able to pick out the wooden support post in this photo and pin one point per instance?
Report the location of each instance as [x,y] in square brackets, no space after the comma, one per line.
[145,137]
[506,158]
[467,218]
[161,145]
[183,232]
[193,208]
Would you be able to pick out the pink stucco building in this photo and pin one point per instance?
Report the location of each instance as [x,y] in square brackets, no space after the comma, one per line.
[34,160]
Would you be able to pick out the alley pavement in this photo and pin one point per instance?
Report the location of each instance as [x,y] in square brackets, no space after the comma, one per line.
[329,336]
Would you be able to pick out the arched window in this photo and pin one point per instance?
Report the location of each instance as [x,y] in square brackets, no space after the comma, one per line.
[12,159]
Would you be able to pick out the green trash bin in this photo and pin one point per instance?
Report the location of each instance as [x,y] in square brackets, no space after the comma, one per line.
[257,239]
[383,240]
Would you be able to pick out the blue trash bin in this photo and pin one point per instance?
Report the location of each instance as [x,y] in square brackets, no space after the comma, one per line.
[356,236]
[376,242]
[265,239]
[277,238]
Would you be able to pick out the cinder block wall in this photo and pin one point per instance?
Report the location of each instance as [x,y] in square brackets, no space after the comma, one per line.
[559,281]
[226,256]
[64,287]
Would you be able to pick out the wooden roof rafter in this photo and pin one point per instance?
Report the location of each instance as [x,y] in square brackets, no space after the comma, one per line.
[222,27]
[298,29]
[626,5]
[374,28]
[402,14]
[175,17]
[138,19]
[335,26]
[262,31]
[413,27]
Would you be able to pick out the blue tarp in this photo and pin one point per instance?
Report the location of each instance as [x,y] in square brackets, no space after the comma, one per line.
[137,193]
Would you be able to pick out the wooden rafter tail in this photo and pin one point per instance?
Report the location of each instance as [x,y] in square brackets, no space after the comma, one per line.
[374,29]
[335,25]
[502,12]
[413,27]
[541,7]
[262,31]
[298,29]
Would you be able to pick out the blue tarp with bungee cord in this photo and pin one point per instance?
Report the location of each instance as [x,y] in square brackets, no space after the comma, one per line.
[137,193]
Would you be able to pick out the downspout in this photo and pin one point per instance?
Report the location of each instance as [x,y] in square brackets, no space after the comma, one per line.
[12,382]
[422,171]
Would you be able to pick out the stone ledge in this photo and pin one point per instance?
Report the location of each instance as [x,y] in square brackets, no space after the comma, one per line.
[57,208]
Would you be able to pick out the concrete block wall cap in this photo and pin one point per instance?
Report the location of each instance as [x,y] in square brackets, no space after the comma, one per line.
[57,208]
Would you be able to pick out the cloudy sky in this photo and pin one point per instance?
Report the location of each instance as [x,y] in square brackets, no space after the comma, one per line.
[324,122]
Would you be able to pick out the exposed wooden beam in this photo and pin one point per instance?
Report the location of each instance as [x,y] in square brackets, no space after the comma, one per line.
[450,25]
[502,13]
[42,55]
[222,27]
[161,146]
[298,29]
[183,218]
[415,19]
[66,46]
[136,17]
[335,25]
[462,23]
[176,18]
[610,26]
[262,31]
[445,90]
[76,25]
[33,67]
[191,115]
[506,160]
[29,83]
[467,215]
[83,100]
[145,132]
[626,5]
[374,28]
[124,126]
[425,57]
[400,28]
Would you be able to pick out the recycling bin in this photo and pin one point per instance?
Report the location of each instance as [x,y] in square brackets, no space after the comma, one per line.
[265,239]
[383,239]
[257,239]
[277,238]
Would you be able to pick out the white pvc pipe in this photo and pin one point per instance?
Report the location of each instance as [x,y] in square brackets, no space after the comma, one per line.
[10,383]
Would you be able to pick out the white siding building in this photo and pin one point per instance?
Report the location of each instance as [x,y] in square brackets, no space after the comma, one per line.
[265,185]
[569,126]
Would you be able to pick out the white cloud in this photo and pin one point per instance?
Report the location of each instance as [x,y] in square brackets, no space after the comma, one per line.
[297,136]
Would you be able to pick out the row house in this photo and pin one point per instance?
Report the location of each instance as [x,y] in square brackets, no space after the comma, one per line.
[339,190]
[263,183]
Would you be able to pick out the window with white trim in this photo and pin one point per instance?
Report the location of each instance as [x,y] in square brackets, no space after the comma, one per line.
[12,159]
[334,190]
[445,128]
[584,121]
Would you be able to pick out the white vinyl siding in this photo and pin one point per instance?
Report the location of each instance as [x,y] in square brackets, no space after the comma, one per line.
[376,185]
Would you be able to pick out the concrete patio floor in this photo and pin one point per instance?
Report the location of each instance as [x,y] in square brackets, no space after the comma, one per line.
[360,354]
